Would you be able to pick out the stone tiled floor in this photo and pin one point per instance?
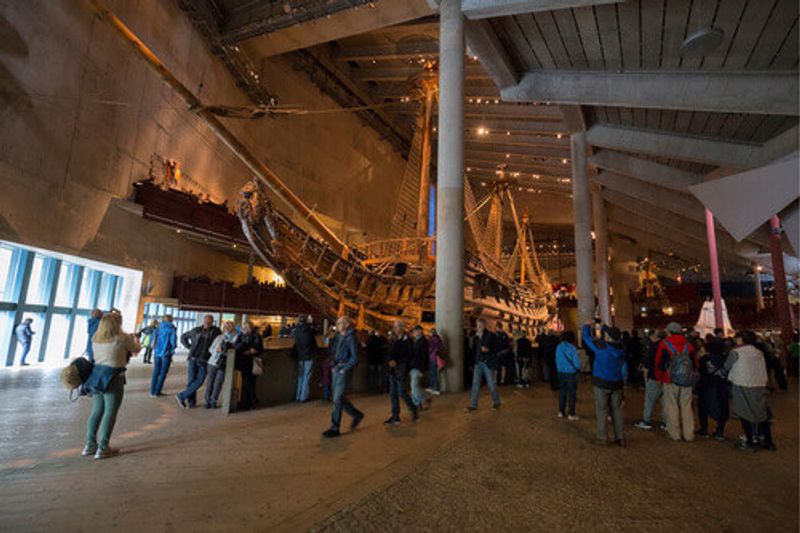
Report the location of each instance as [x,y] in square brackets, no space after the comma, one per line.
[516,469]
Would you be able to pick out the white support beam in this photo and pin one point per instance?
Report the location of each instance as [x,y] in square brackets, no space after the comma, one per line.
[764,93]
[482,41]
[678,222]
[666,200]
[665,243]
[645,170]
[337,26]
[656,226]
[479,9]
[697,149]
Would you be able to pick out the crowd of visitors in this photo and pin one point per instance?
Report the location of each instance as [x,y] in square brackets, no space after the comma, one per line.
[676,368]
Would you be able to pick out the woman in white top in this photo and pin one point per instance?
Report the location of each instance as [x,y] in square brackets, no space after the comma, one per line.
[112,349]
[747,372]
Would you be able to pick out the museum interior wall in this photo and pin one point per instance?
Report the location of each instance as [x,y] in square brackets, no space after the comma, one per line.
[83,119]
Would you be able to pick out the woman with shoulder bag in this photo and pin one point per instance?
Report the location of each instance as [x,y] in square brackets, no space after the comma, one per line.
[249,346]
[106,384]
[216,363]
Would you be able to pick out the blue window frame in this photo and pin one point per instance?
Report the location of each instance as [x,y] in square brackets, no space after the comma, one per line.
[57,295]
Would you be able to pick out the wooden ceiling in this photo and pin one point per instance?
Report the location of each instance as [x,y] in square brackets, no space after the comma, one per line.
[603,38]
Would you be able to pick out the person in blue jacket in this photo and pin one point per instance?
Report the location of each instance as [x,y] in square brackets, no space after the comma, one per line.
[345,358]
[608,380]
[91,328]
[164,342]
[568,365]
[24,335]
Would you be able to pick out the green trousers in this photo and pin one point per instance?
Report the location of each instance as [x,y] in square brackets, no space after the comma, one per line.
[104,413]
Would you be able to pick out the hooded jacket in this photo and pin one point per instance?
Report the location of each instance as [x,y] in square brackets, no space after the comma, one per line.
[609,369]
[165,340]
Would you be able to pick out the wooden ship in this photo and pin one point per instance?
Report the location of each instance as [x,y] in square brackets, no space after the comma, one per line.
[380,282]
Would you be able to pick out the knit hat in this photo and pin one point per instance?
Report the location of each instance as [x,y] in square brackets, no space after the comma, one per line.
[674,327]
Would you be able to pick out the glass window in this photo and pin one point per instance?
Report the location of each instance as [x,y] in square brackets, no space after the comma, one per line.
[57,339]
[79,336]
[36,326]
[67,280]
[12,266]
[106,294]
[41,280]
[118,292]
[6,331]
[88,288]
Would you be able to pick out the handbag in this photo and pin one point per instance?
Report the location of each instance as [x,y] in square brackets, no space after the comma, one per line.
[258,366]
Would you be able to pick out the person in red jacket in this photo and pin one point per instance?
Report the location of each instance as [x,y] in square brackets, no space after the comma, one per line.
[677,381]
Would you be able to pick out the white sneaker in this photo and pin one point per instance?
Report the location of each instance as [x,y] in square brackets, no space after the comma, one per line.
[560,415]
[89,450]
[104,453]
[573,418]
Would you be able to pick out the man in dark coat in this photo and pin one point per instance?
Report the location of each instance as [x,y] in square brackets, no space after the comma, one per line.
[305,349]
[197,341]
[484,349]
[399,358]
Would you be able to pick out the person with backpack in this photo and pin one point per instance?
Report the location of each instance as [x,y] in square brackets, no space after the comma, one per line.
[608,379]
[568,365]
[106,383]
[165,340]
[676,369]
[747,372]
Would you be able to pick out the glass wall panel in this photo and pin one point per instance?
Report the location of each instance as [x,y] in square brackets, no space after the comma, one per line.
[41,281]
[6,332]
[79,336]
[12,267]
[57,339]
[67,281]
[106,296]
[88,288]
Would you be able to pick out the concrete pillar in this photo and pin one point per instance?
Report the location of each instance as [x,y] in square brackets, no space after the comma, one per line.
[425,170]
[581,201]
[450,207]
[713,260]
[781,291]
[601,255]
[759,291]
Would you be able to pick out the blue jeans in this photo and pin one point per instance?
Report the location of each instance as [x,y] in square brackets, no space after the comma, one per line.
[433,376]
[339,401]
[567,391]
[417,394]
[26,347]
[397,389]
[160,369]
[482,371]
[194,380]
[303,378]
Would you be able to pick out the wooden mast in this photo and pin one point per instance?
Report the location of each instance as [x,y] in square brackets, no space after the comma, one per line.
[225,135]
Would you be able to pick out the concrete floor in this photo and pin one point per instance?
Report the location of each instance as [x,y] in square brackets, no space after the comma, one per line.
[516,469]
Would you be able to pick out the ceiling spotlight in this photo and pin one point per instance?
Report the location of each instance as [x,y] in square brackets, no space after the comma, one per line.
[482,131]
[702,42]
[564,161]
[558,136]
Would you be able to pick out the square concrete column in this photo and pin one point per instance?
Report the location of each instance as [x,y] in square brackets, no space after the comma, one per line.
[450,192]
[601,254]
[581,202]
